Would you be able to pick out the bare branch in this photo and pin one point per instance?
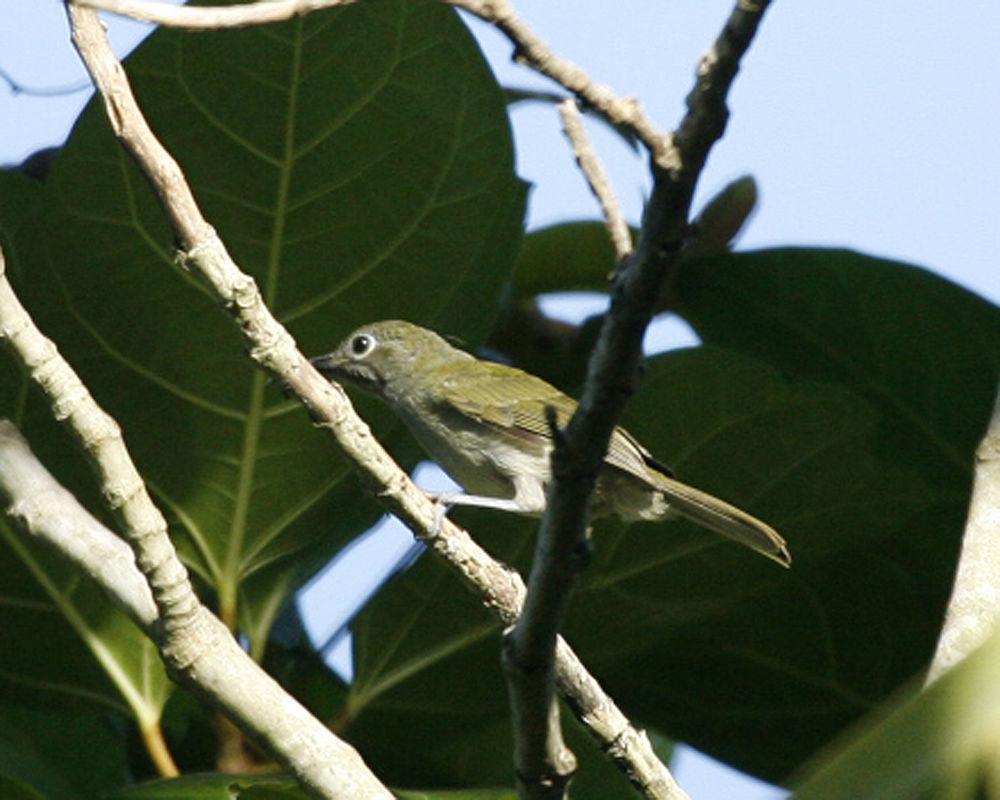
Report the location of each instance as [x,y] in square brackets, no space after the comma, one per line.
[974,608]
[638,285]
[533,51]
[543,764]
[627,746]
[18,88]
[212,17]
[101,439]
[45,510]
[226,675]
[597,178]
[530,49]
[272,347]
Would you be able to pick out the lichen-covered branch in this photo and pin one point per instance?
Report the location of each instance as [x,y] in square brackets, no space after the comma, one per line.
[198,650]
[101,439]
[218,669]
[46,511]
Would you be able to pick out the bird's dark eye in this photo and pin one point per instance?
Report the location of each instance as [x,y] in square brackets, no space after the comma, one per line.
[362,345]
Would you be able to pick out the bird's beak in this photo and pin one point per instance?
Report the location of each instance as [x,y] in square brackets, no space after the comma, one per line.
[327,365]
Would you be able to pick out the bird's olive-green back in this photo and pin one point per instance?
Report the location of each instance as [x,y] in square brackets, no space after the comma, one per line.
[513,401]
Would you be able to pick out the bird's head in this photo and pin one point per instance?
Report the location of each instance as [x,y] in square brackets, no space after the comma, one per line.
[387,358]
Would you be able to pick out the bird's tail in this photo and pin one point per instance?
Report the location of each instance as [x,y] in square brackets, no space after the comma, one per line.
[717,515]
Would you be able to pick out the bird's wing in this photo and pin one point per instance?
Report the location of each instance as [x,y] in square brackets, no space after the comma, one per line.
[627,454]
[514,401]
[505,398]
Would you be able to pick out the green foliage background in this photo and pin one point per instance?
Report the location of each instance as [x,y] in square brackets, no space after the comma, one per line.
[359,164]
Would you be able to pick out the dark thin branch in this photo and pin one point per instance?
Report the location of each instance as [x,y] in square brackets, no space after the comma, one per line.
[18,88]
[543,763]
[612,372]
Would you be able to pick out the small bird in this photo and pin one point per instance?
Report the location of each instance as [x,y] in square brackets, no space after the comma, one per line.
[485,424]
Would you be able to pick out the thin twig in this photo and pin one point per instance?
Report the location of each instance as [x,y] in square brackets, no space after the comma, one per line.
[597,178]
[974,608]
[530,50]
[543,764]
[18,88]
[270,346]
[226,675]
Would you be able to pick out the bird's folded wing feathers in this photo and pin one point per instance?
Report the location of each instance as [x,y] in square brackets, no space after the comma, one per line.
[508,399]
[515,401]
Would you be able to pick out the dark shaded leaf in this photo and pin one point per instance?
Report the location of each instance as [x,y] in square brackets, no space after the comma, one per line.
[939,743]
[358,164]
[568,257]
[73,752]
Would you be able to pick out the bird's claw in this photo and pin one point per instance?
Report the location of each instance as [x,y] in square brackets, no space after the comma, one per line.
[442,505]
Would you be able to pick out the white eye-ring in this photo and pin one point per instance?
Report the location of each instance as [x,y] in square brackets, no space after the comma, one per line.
[362,345]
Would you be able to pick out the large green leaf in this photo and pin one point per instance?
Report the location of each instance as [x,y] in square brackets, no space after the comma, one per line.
[73,752]
[47,606]
[939,743]
[715,646]
[270,787]
[919,349]
[568,257]
[358,163]
[215,787]
[16,790]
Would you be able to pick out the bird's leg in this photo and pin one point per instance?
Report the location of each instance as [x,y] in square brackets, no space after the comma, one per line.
[450,499]
[444,501]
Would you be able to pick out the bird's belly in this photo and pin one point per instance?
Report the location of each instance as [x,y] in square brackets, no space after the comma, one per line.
[626,496]
[481,462]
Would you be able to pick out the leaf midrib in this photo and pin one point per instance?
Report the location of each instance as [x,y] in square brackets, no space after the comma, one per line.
[255,412]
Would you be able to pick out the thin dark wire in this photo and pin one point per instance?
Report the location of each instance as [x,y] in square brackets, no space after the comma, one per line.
[16,87]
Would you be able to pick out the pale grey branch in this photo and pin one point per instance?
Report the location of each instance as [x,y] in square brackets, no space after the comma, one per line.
[198,650]
[101,439]
[212,17]
[226,675]
[45,510]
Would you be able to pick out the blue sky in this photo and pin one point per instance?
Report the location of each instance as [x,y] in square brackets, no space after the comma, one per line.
[866,125]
